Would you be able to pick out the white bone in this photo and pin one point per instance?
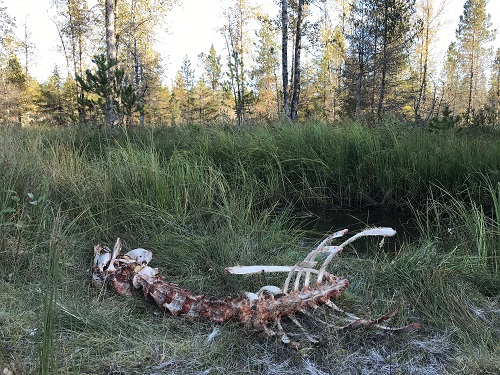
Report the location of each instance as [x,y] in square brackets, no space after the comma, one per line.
[307,264]
[322,247]
[140,255]
[210,338]
[274,290]
[386,232]
[248,270]
[116,250]
[252,297]
[367,232]
[102,261]
[99,251]
[145,273]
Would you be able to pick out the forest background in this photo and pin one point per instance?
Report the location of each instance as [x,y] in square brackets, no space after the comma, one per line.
[361,60]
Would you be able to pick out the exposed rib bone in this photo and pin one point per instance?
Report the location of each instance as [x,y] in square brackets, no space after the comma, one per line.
[367,232]
[304,331]
[248,270]
[129,273]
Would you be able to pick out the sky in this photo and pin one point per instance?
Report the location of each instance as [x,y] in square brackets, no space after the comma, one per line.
[192,29]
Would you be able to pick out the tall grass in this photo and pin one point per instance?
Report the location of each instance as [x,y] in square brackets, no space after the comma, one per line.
[206,198]
[347,165]
[465,226]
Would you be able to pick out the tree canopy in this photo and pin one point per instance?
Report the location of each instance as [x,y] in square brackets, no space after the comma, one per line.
[325,60]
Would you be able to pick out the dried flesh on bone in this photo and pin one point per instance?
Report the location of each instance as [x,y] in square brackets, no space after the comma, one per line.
[312,287]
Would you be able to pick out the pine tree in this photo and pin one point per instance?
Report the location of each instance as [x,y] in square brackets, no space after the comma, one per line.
[265,72]
[329,62]
[381,36]
[423,68]
[472,34]
[100,90]
[361,30]
[50,102]
[451,81]
[238,44]
[179,101]
[138,24]
[494,91]
[187,105]
[211,79]
[212,67]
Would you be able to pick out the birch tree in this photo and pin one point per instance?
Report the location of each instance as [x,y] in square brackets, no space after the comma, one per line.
[293,14]
[112,118]
[284,57]
[296,61]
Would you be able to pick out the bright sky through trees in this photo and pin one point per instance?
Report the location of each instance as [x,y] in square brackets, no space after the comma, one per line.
[192,29]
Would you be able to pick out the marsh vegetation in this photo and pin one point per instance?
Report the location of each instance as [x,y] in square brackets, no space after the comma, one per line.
[206,198]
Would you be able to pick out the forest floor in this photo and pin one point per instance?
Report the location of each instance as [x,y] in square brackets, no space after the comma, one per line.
[205,199]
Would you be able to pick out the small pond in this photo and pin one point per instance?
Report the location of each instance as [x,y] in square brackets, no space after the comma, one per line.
[318,224]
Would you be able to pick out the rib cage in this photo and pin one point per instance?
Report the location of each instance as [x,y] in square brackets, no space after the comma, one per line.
[305,288]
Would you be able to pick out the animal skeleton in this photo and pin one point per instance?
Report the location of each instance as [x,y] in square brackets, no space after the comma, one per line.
[130,272]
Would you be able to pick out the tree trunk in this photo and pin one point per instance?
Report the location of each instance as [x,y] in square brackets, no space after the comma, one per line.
[296,73]
[138,73]
[424,61]
[359,85]
[471,85]
[384,63]
[361,73]
[112,117]
[423,83]
[284,56]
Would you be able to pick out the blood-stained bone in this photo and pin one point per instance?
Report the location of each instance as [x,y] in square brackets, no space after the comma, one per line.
[129,273]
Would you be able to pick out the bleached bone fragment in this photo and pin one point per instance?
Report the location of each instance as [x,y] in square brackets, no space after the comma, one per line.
[102,260]
[386,232]
[271,289]
[248,270]
[252,298]
[211,337]
[140,255]
[331,249]
[145,273]
[116,250]
[307,264]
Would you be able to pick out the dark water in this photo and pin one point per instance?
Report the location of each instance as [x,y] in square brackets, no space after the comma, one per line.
[318,224]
